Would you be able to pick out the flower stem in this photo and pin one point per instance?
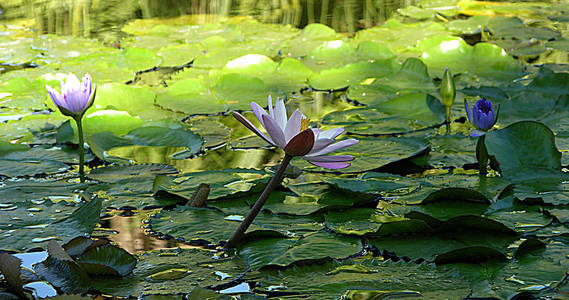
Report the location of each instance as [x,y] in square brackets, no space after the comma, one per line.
[447,120]
[482,155]
[273,183]
[81,150]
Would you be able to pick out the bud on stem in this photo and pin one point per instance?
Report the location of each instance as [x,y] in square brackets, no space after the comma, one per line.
[448,94]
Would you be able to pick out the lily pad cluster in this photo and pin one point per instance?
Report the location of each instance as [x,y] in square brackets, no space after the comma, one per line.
[410,216]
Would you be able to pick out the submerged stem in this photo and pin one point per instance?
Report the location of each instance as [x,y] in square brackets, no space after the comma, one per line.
[81,150]
[273,183]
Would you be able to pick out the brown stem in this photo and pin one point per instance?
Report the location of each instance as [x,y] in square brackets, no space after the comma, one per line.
[273,183]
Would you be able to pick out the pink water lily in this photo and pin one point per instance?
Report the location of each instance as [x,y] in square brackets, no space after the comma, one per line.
[75,97]
[294,136]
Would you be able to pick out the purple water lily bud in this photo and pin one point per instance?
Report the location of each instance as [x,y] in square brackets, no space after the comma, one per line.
[75,97]
[482,116]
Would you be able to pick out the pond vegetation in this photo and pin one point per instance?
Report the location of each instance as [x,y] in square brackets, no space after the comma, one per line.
[474,208]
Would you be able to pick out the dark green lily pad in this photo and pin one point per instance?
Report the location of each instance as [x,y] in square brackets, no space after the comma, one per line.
[62,271]
[373,153]
[188,223]
[333,279]
[283,252]
[516,145]
[28,226]
[229,182]
[174,271]
[107,260]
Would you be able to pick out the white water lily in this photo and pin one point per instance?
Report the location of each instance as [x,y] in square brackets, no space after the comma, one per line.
[294,136]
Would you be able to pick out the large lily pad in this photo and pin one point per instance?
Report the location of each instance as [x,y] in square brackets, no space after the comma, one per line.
[175,271]
[355,277]
[26,226]
[313,247]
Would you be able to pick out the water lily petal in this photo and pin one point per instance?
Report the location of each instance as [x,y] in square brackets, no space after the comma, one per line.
[280,114]
[71,83]
[55,96]
[251,127]
[469,113]
[334,147]
[292,127]
[320,144]
[488,121]
[75,100]
[271,110]
[331,165]
[331,133]
[87,87]
[274,131]
[259,112]
[331,158]
[477,133]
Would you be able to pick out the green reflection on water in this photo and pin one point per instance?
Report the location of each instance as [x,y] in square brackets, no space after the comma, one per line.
[105,18]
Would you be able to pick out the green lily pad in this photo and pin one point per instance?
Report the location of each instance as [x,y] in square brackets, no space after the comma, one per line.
[435,245]
[333,79]
[104,144]
[135,100]
[366,121]
[28,225]
[252,64]
[177,55]
[516,145]
[238,90]
[229,182]
[282,252]
[374,183]
[188,223]
[115,121]
[107,260]
[482,60]
[400,37]
[61,271]
[364,277]
[172,271]
[138,59]
[373,153]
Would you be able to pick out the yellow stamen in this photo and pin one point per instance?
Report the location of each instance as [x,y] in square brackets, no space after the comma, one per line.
[304,124]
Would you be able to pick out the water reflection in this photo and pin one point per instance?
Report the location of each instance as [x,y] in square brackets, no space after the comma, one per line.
[105,18]
[129,234]
[219,159]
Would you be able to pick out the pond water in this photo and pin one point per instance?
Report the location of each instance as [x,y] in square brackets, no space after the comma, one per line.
[424,210]
[105,19]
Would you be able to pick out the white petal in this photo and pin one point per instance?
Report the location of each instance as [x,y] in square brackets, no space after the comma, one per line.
[280,114]
[252,127]
[331,165]
[331,133]
[320,144]
[334,147]
[293,125]
[55,96]
[259,112]
[331,158]
[274,131]
[71,83]
[271,110]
